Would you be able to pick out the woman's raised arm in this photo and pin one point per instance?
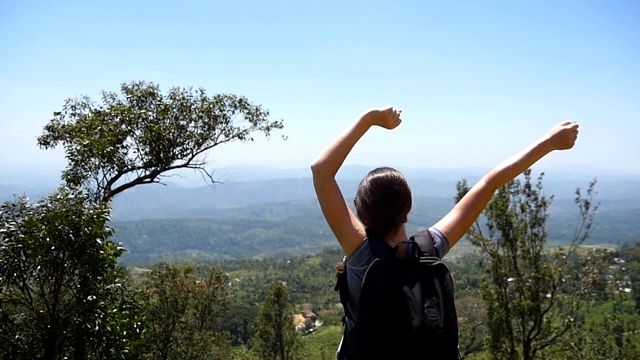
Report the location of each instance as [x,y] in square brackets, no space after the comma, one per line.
[458,221]
[343,222]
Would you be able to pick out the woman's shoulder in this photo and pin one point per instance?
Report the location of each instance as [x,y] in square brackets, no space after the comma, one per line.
[440,241]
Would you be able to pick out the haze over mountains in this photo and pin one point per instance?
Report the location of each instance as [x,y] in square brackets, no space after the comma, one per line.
[191,197]
[265,212]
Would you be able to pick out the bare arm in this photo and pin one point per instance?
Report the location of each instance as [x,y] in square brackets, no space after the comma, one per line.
[458,221]
[343,222]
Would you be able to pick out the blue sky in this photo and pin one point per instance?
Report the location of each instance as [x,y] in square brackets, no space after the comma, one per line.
[477,80]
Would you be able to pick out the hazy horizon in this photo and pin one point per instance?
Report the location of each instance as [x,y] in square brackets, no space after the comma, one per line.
[26,177]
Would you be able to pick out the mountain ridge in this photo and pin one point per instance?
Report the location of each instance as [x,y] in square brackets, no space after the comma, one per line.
[241,186]
[277,215]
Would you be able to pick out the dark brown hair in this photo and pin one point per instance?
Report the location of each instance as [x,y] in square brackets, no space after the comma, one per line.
[383,201]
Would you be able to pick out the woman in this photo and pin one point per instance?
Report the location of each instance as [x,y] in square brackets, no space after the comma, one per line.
[383,198]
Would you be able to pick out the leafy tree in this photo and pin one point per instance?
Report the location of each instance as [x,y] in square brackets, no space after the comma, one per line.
[606,338]
[276,337]
[184,312]
[242,352]
[532,296]
[473,330]
[139,136]
[631,254]
[239,319]
[62,293]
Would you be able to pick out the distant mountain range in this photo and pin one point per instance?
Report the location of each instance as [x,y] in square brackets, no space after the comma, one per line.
[191,197]
[262,212]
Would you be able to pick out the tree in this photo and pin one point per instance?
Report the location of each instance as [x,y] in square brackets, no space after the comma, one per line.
[62,293]
[533,296]
[183,313]
[473,330]
[239,319]
[276,337]
[631,253]
[606,338]
[142,135]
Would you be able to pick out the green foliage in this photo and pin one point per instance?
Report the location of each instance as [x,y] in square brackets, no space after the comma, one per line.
[307,277]
[631,276]
[322,344]
[62,294]
[242,352]
[239,318]
[610,337]
[249,280]
[276,337]
[201,240]
[533,298]
[135,137]
[183,313]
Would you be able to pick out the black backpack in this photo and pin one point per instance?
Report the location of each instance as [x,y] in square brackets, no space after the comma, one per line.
[406,307]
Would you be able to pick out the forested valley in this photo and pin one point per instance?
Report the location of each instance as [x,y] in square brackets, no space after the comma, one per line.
[296,227]
[610,328]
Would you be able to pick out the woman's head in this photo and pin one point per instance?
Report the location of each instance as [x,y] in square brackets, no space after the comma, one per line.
[383,201]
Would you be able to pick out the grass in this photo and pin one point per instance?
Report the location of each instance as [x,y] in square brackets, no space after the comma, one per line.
[322,344]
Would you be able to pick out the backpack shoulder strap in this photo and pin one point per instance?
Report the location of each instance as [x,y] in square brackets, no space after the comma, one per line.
[342,286]
[425,242]
[379,249]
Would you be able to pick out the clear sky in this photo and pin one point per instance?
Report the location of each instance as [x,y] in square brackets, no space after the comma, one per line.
[477,80]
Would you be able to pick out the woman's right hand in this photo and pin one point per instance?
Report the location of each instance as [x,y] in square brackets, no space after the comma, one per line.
[386,117]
